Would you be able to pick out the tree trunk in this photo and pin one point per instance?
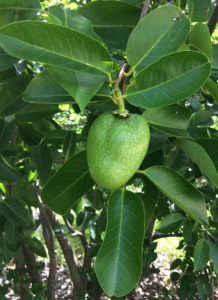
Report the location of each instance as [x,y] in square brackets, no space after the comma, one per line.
[79,280]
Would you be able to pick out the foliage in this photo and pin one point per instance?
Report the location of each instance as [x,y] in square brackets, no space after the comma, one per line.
[62,66]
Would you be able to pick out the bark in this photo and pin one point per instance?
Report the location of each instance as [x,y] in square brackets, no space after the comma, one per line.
[79,280]
[31,264]
[49,241]
[20,268]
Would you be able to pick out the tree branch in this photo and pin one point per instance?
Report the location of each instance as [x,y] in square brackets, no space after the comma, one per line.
[49,241]
[145,8]
[157,235]
[86,247]
[213,20]
[79,281]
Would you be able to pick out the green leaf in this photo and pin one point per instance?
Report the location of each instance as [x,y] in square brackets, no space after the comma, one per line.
[157,140]
[200,11]
[150,199]
[215,56]
[179,190]
[71,18]
[43,89]
[8,173]
[68,184]
[6,60]
[12,236]
[14,211]
[37,247]
[119,262]
[173,116]
[34,112]
[169,80]
[200,38]
[37,41]
[181,3]
[69,144]
[82,86]
[171,131]
[4,75]
[201,255]
[113,21]
[170,223]
[206,158]
[213,89]
[6,130]
[152,39]
[42,159]
[17,10]
[213,249]
[11,95]
[29,134]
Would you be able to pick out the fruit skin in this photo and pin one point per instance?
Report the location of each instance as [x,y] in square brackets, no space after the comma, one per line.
[116,147]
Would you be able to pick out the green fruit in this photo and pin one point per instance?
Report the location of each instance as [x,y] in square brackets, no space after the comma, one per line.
[116,147]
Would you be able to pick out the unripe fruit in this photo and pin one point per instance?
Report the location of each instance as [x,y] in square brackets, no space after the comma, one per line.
[116,147]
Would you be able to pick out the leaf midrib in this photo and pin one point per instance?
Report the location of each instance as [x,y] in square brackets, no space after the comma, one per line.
[119,239]
[168,81]
[54,53]
[154,45]
[70,186]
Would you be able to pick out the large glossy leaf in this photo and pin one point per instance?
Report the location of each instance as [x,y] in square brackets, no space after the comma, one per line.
[113,21]
[201,255]
[17,10]
[68,184]
[170,223]
[173,116]
[43,89]
[213,249]
[42,159]
[171,131]
[150,199]
[8,173]
[69,145]
[169,80]
[119,262]
[200,38]
[179,190]
[55,45]
[212,87]
[200,11]
[206,158]
[6,60]
[215,56]
[37,246]
[34,112]
[82,86]
[5,75]
[14,211]
[71,19]
[12,236]
[11,95]
[152,39]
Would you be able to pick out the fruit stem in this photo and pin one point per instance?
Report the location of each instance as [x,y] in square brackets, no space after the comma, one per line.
[119,100]
[117,94]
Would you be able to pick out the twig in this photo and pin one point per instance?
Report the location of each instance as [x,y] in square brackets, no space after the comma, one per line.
[121,75]
[145,8]
[157,235]
[86,247]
